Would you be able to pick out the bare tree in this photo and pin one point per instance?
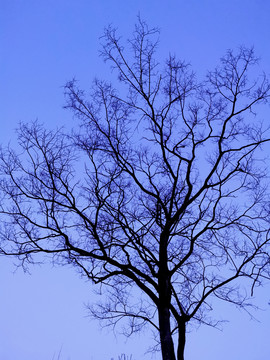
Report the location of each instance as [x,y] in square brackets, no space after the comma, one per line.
[161,193]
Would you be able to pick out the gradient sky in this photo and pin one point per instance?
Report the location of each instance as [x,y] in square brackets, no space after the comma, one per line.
[43,44]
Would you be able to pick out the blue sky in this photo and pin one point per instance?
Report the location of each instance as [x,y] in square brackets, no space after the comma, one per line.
[45,43]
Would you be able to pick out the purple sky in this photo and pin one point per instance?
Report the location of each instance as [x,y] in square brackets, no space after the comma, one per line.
[44,43]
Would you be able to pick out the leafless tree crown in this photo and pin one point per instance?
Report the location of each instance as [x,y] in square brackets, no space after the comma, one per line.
[162,188]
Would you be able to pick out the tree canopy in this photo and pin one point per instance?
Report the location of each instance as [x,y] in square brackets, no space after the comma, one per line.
[161,190]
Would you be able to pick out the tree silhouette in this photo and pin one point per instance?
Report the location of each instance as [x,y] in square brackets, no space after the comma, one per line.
[160,195]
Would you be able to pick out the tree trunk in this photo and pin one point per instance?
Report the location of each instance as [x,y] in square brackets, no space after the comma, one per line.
[181,340]
[167,348]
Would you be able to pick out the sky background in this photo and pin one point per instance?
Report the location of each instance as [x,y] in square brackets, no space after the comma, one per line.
[45,43]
